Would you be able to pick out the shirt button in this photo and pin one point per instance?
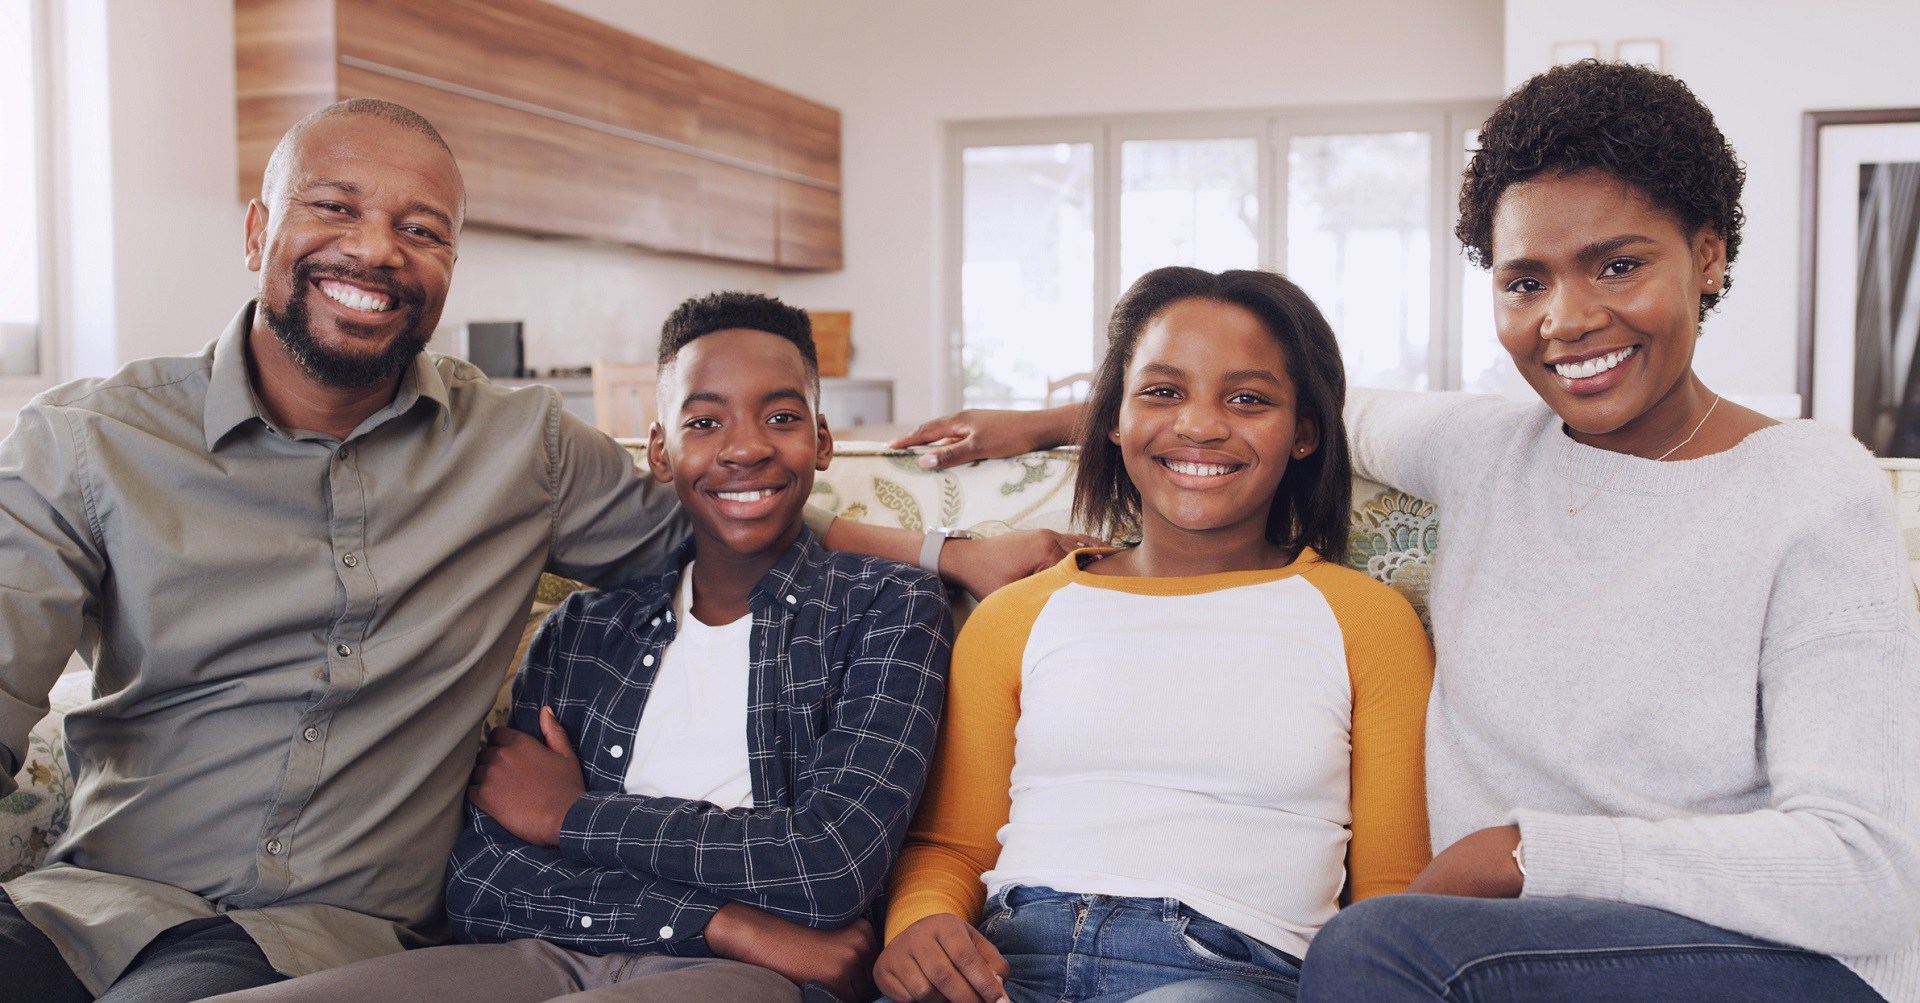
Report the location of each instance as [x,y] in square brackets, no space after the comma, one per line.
[791,600]
[343,453]
[648,660]
[274,847]
[586,921]
[616,751]
[350,561]
[343,650]
[666,932]
[656,621]
[312,734]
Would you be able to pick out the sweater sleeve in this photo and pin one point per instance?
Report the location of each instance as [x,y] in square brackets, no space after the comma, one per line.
[1419,442]
[1832,863]
[955,836]
[1390,663]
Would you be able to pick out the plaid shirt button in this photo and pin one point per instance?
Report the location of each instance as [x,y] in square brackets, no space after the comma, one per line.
[666,932]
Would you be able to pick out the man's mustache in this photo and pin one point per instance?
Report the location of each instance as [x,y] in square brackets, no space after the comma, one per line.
[309,271]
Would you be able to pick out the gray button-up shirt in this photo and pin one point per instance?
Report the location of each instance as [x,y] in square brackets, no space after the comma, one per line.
[294,639]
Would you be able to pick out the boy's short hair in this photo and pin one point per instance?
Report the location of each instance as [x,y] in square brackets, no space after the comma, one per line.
[723,311]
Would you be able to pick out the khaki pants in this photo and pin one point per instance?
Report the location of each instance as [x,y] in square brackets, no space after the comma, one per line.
[530,971]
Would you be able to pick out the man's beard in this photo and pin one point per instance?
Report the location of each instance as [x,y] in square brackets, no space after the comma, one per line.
[339,369]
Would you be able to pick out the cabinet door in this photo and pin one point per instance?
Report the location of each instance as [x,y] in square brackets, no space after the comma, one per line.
[466,125]
[808,138]
[654,90]
[738,214]
[653,197]
[283,70]
[520,50]
[736,115]
[809,226]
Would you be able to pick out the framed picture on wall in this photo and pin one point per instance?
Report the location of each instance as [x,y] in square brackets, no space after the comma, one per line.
[1860,275]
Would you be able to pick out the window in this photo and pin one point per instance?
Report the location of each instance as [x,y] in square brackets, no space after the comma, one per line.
[1055,220]
[23,339]
[1027,275]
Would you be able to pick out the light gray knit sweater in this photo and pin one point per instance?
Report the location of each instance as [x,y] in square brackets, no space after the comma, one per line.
[1701,693]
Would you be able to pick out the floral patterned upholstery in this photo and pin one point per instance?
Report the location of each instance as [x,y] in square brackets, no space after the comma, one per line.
[35,814]
[1393,540]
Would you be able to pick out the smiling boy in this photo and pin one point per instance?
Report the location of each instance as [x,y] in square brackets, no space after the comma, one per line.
[707,774]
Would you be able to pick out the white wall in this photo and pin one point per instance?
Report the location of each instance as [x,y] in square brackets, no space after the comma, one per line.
[1759,65]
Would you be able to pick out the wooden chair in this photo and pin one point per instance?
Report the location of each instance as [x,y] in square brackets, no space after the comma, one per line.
[623,397]
[1071,387]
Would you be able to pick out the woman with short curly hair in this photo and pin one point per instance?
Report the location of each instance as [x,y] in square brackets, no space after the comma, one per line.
[1673,748]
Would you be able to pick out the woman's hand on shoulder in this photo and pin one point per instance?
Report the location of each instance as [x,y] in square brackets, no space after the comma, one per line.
[1480,865]
[984,565]
[941,957]
[983,434]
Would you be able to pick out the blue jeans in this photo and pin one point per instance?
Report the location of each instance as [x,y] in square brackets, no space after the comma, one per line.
[1434,947]
[1102,949]
[191,961]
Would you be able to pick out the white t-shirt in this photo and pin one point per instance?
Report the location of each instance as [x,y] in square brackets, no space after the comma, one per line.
[692,741]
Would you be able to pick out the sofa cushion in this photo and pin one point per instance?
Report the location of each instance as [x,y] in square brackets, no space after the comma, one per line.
[36,814]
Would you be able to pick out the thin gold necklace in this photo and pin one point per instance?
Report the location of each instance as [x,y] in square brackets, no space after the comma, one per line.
[1573,509]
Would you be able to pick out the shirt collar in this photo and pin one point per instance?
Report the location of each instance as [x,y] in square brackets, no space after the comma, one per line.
[231,401]
[797,574]
[794,578]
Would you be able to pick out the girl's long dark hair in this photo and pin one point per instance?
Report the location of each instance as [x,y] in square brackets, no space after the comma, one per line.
[1311,506]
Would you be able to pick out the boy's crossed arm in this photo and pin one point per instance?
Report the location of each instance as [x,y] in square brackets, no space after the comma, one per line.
[526,785]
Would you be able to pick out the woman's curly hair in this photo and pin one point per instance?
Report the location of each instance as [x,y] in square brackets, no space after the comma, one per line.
[1640,125]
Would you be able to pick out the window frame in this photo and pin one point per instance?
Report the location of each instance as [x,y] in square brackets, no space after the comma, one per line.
[15,389]
[1273,129]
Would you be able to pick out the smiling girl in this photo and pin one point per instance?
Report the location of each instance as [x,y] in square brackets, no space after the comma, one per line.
[1165,765]
[1674,745]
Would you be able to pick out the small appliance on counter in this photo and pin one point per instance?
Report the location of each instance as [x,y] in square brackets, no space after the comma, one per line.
[496,347]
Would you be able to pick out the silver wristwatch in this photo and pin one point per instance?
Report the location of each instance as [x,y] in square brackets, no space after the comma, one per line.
[935,540]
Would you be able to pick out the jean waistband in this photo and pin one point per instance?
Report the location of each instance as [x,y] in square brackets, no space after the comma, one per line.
[1017,895]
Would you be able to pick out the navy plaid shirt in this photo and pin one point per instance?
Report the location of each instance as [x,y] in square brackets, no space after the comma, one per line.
[849,665]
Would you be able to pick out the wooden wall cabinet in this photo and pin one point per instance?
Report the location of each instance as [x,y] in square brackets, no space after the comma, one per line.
[562,125]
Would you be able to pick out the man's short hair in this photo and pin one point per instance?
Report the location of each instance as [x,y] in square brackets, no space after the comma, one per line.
[275,178]
[724,311]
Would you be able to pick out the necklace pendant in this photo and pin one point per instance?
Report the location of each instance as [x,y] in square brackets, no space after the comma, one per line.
[1572,511]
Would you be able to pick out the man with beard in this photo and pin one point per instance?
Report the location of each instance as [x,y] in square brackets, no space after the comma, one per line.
[298,563]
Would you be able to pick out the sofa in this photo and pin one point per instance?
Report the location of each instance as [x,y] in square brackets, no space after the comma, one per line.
[1393,540]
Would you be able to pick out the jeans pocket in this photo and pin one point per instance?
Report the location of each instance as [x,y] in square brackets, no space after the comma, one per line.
[995,918]
[1214,946]
[1214,942]
[998,909]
